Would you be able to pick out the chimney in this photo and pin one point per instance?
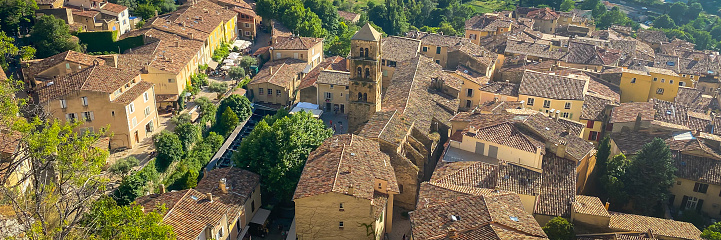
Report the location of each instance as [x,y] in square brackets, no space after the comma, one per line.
[156,14]
[210,196]
[350,189]
[222,185]
[452,233]
[271,70]
[162,188]
[190,35]
[177,43]
[607,204]
[558,112]
[561,149]
[550,114]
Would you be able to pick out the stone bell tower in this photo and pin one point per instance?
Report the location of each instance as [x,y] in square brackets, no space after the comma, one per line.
[364,93]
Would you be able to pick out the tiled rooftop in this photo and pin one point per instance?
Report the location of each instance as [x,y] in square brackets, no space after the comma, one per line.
[31,68]
[552,86]
[330,63]
[99,78]
[333,77]
[558,187]
[279,72]
[399,49]
[240,185]
[343,162]
[590,205]
[659,227]
[501,88]
[296,43]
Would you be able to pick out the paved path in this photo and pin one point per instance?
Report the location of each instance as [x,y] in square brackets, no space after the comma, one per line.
[340,121]
[401,225]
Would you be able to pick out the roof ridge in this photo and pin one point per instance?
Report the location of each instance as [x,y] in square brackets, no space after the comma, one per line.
[335,179]
[170,210]
[413,83]
[387,122]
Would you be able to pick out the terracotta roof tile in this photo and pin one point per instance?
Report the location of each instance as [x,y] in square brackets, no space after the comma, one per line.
[283,72]
[659,227]
[498,107]
[333,77]
[627,112]
[700,169]
[436,39]
[296,43]
[560,132]
[693,98]
[507,134]
[488,23]
[112,7]
[543,14]
[240,185]
[532,48]
[552,86]
[558,187]
[34,67]
[399,49]
[652,36]
[590,205]
[501,88]
[97,78]
[332,63]
[344,161]
[594,107]
[133,93]
[349,16]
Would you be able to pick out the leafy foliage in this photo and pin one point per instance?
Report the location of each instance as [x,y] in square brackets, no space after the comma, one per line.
[187,133]
[17,16]
[568,5]
[207,109]
[239,104]
[180,118]
[130,188]
[107,220]
[559,229]
[51,36]
[712,232]
[236,72]
[228,121]
[278,147]
[145,11]
[613,180]
[169,148]
[218,87]
[221,52]
[247,61]
[9,53]
[650,175]
[123,166]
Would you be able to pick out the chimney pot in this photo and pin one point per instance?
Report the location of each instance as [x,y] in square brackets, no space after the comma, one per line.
[452,233]
[210,196]
[558,112]
[162,188]
[350,189]
[271,70]
[222,184]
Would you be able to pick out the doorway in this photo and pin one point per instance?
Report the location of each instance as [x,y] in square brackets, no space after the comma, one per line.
[137,138]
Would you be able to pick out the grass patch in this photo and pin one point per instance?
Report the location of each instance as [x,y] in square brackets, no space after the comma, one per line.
[487,6]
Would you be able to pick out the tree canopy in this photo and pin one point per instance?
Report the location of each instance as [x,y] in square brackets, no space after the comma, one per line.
[559,229]
[712,232]
[107,220]
[278,147]
[239,104]
[169,148]
[51,36]
[17,16]
[650,175]
[9,53]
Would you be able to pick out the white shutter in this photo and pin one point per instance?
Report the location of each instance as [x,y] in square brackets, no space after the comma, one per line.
[92,116]
[67,117]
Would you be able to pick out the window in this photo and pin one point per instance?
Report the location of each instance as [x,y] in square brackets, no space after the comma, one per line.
[700,187]
[131,107]
[149,127]
[252,205]
[366,52]
[681,84]
[85,100]
[270,91]
[659,91]
[71,117]
[340,207]
[468,103]
[593,136]
[633,80]
[670,81]
[546,103]
[590,124]
[691,203]
[147,111]
[438,62]
[684,75]
[63,104]
[67,65]
[170,80]
[277,55]
[360,72]
[361,52]
[438,50]
[365,97]
[247,25]
[567,106]
[247,33]
[112,113]
[328,95]
[469,93]
[340,224]
[360,97]
[564,115]
[260,91]
[295,55]
[530,102]
[277,92]
[368,72]
[425,49]
[146,97]
[400,188]
[663,80]
[655,79]
[135,122]
[88,116]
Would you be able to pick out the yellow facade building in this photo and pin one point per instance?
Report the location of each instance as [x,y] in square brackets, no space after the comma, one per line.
[487,25]
[547,92]
[333,90]
[307,49]
[277,83]
[104,97]
[357,200]
[651,82]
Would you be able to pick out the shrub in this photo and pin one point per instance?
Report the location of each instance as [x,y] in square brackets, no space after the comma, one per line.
[180,118]
[228,121]
[169,147]
[218,87]
[123,166]
[221,52]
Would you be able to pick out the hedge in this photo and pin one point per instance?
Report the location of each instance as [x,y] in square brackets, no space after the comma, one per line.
[104,41]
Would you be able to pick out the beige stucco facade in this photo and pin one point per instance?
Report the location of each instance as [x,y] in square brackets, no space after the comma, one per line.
[592,130]
[538,104]
[312,56]
[320,217]
[128,123]
[332,97]
[439,54]
[638,86]
[512,155]
[711,200]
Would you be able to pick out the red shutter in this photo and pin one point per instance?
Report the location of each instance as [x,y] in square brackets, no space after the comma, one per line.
[589,124]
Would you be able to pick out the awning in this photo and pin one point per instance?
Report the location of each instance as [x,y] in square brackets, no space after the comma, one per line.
[212,64]
[166,97]
[261,216]
[316,112]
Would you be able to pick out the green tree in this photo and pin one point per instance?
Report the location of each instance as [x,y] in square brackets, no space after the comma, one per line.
[206,109]
[664,21]
[145,11]
[702,39]
[694,10]
[712,232]
[326,12]
[130,188]
[678,12]
[239,104]
[247,61]
[568,5]
[9,53]
[51,36]
[180,118]
[590,4]
[236,72]
[107,220]
[559,229]
[598,10]
[188,134]
[341,44]
[613,180]
[278,147]
[228,121]
[17,16]
[218,87]
[613,17]
[169,148]
[123,166]
[604,151]
[650,175]
[447,29]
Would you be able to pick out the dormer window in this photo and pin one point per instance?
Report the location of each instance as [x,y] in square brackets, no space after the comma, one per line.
[340,207]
